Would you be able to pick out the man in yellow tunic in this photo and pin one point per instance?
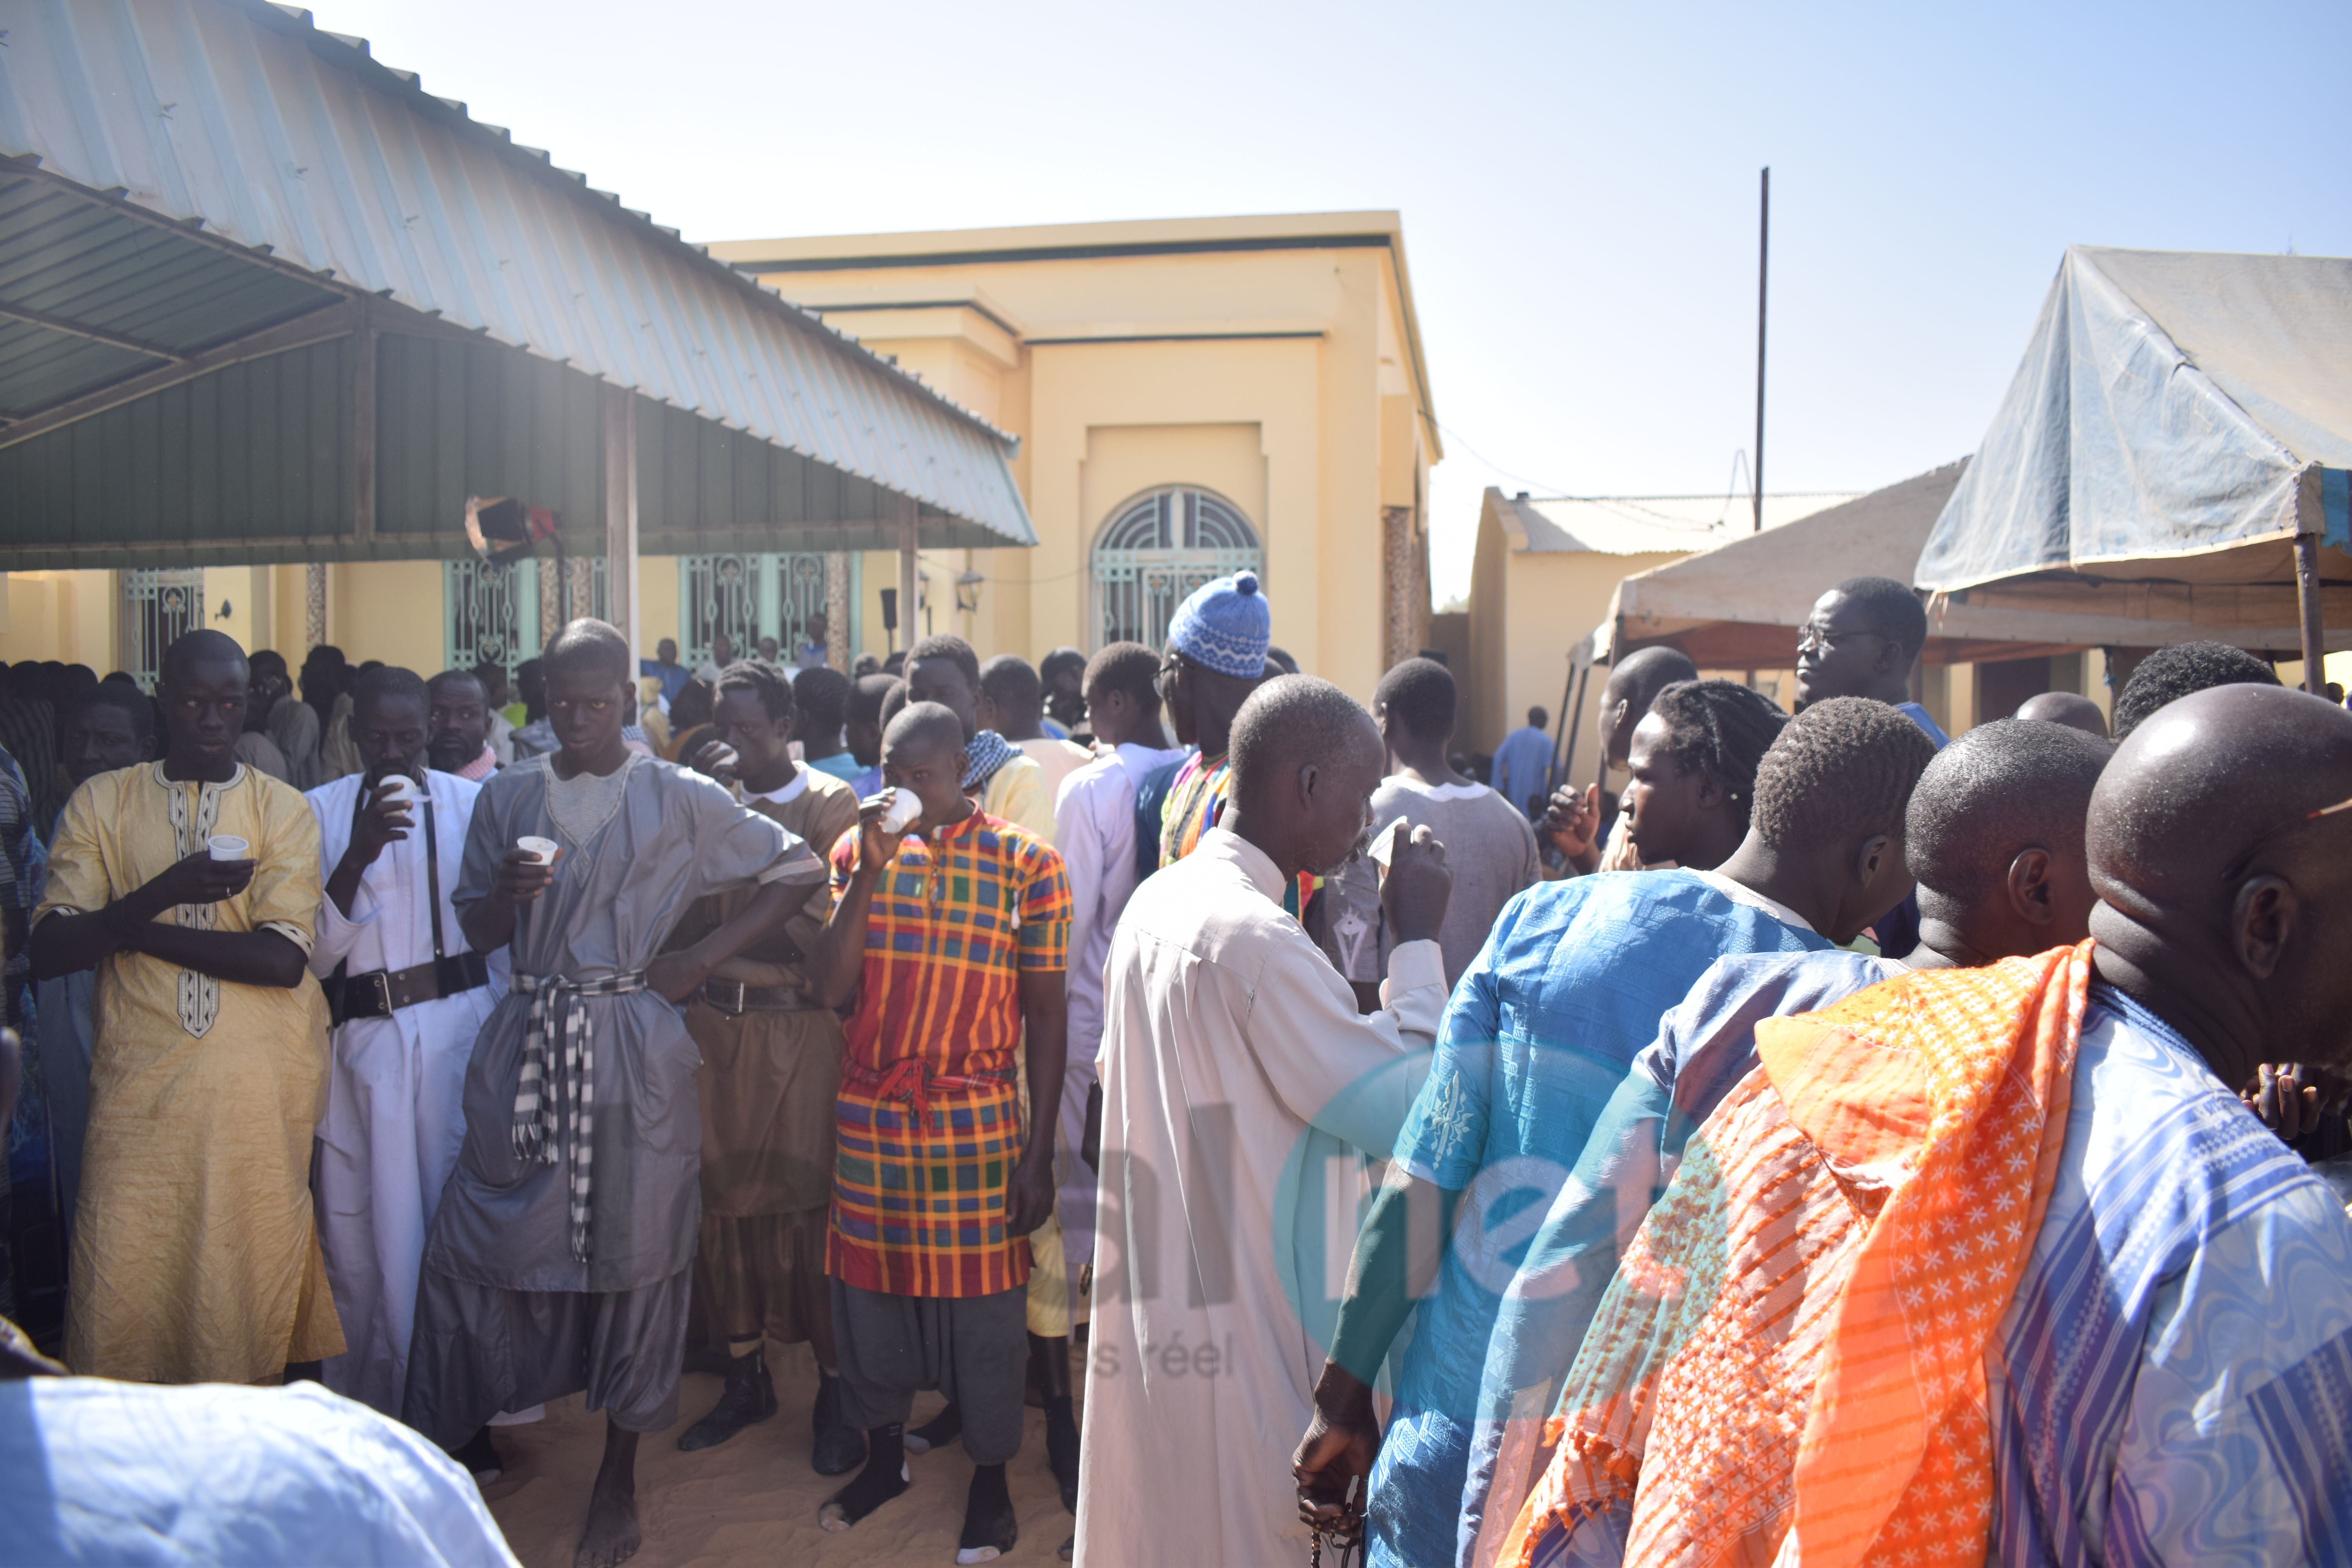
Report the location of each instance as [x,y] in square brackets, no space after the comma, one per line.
[195,1258]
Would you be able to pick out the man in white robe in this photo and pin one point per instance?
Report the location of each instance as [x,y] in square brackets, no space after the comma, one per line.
[1240,1086]
[1094,829]
[412,997]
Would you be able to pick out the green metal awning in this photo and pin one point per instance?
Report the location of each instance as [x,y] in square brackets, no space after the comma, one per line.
[263,299]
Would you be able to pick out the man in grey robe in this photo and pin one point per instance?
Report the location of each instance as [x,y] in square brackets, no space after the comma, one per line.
[559,1258]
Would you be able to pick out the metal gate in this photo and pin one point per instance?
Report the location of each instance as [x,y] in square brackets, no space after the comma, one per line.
[158,605]
[490,613]
[504,614]
[1158,549]
[747,596]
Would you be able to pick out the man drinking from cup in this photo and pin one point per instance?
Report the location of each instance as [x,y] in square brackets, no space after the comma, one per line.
[190,885]
[408,994]
[560,1259]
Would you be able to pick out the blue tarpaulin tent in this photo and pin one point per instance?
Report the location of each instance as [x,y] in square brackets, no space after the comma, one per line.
[2172,456]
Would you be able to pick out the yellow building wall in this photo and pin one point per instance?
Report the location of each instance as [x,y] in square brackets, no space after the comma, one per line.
[1300,409]
[1551,601]
[656,602]
[74,617]
[388,610]
[1281,379]
[1527,611]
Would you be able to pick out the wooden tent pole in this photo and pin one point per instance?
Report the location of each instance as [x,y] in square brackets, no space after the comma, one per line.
[2314,640]
[1578,681]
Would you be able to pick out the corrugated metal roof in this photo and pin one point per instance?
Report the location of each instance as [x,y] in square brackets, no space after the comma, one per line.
[243,121]
[65,258]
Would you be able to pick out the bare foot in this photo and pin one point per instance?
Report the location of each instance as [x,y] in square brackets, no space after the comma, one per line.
[611,1537]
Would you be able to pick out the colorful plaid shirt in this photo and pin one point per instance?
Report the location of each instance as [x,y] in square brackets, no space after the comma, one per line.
[1196,799]
[927,1124]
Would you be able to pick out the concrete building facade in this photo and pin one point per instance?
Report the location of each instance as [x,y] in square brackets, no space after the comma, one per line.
[1191,396]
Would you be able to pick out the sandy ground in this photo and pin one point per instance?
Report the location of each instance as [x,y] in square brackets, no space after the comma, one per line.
[754,1500]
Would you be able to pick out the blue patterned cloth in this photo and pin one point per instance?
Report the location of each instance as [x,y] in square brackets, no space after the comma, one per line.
[983,754]
[1706,1045]
[2175,1383]
[1224,625]
[1539,1035]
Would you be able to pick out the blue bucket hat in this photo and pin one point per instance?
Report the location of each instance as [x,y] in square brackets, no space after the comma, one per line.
[1224,625]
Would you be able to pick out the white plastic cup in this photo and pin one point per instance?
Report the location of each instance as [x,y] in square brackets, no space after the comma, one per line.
[228,846]
[901,813]
[396,786]
[540,849]
[1384,842]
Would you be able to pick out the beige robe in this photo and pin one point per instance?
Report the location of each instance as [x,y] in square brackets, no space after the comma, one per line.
[194,1257]
[1241,1090]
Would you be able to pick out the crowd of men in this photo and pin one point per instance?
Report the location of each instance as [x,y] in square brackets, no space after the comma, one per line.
[1856,1142]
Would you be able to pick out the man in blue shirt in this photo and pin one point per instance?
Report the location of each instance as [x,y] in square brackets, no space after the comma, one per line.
[1522,766]
[664,667]
[1994,836]
[1539,1035]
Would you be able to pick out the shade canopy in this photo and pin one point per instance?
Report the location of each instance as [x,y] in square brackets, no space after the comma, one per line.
[263,299]
[1739,606]
[2179,419]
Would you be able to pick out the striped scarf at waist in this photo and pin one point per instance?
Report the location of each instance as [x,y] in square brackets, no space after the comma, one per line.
[538,1127]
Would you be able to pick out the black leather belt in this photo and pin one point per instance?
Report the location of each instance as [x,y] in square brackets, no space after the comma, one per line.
[733,996]
[383,992]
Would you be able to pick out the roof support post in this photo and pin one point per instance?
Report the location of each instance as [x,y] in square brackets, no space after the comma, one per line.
[2314,637]
[906,575]
[363,422]
[621,511]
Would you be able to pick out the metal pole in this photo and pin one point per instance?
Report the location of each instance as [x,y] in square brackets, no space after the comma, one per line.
[362,423]
[1763,260]
[620,516]
[1553,775]
[2315,640]
[907,546]
[1579,682]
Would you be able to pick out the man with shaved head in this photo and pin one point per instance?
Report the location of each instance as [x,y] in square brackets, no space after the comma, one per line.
[1994,836]
[1238,1079]
[560,1259]
[2115,1303]
[2184,1305]
[1572,820]
[1540,1031]
[951,931]
[2068,708]
[192,886]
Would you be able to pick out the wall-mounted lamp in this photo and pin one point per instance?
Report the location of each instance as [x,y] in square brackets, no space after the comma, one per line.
[967,590]
[226,612]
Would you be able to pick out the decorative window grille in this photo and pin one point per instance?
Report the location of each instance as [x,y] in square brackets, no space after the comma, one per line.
[748,596]
[504,614]
[158,605]
[1156,550]
[490,613]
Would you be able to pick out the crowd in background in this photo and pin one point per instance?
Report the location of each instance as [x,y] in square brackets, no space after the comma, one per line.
[1189,1004]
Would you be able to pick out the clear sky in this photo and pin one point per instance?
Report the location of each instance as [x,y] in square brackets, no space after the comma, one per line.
[1577,181]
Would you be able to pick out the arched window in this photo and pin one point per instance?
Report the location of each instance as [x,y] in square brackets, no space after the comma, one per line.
[1158,548]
